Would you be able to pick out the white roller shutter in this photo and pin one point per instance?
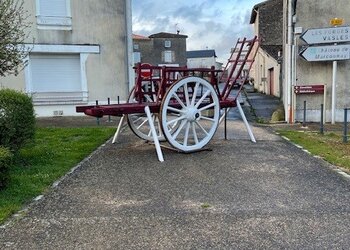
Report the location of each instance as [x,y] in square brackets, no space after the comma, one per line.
[53,8]
[55,73]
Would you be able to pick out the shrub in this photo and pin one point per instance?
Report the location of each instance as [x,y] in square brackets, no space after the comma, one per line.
[17,119]
[5,162]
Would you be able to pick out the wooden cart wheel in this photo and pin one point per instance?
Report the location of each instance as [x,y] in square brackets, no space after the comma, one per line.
[192,103]
[138,123]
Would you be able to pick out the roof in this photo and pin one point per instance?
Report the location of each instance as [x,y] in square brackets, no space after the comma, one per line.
[272,50]
[255,9]
[167,35]
[139,37]
[200,53]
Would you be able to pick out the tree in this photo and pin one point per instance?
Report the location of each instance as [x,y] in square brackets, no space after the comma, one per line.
[13,25]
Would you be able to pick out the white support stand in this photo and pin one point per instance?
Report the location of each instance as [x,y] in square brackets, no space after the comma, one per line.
[250,132]
[115,137]
[154,134]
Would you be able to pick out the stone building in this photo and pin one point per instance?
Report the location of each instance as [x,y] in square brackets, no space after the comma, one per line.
[267,18]
[202,59]
[160,49]
[300,16]
[81,53]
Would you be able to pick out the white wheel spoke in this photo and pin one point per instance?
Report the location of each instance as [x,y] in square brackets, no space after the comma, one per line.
[138,118]
[186,133]
[194,95]
[194,133]
[175,109]
[179,100]
[186,95]
[207,107]
[143,123]
[174,136]
[202,98]
[175,120]
[201,127]
[207,118]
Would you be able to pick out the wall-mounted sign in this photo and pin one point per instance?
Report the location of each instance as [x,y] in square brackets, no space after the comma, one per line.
[327,35]
[309,89]
[326,53]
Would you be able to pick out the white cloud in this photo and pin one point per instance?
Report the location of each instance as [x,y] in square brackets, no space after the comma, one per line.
[208,24]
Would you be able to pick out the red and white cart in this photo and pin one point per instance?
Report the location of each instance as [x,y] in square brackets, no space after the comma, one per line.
[181,105]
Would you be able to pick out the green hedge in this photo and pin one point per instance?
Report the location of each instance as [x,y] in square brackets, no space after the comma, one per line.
[17,119]
[5,162]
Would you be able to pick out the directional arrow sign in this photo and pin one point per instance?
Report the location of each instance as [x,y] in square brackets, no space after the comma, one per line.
[327,35]
[326,53]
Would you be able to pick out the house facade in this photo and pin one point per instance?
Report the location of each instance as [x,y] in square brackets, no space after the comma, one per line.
[81,53]
[160,49]
[300,16]
[202,59]
[267,19]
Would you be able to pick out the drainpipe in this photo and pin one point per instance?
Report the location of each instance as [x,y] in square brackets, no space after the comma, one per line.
[289,62]
[129,59]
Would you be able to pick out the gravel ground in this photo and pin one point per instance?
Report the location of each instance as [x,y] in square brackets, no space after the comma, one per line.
[238,195]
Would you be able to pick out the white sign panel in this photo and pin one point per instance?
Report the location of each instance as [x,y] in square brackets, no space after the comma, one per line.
[327,35]
[326,53]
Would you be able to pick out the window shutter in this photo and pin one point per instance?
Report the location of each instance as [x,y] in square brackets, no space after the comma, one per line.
[55,73]
[168,56]
[137,57]
[53,8]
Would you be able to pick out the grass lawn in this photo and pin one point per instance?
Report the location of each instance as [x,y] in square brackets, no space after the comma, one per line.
[54,153]
[329,146]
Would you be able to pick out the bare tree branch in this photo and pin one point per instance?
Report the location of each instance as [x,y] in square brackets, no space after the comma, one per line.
[13,34]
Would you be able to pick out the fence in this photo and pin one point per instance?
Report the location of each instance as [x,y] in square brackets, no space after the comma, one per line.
[345,125]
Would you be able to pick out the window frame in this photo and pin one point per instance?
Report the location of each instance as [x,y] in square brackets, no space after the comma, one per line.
[57,97]
[168,52]
[167,44]
[54,22]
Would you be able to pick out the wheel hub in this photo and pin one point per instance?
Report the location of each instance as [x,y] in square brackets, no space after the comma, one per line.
[192,114]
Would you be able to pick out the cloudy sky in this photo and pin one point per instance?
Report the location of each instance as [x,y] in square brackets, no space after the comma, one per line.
[209,24]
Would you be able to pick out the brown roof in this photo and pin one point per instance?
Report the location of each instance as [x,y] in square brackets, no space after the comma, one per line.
[139,37]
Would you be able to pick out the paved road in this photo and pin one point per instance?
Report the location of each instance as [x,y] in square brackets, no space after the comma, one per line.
[240,195]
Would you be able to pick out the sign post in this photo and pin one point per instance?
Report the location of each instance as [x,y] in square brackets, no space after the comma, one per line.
[333,52]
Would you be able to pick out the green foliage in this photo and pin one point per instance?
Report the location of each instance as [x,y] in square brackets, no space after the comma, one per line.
[5,162]
[37,166]
[328,146]
[13,34]
[13,27]
[17,119]
[278,115]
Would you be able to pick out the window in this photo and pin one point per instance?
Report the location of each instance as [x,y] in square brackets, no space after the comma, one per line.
[167,44]
[57,73]
[137,57]
[53,14]
[168,56]
[136,46]
[55,78]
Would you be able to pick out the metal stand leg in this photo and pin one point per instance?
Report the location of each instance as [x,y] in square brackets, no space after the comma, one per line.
[224,115]
[250,132]
[154,134]
[118,129]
